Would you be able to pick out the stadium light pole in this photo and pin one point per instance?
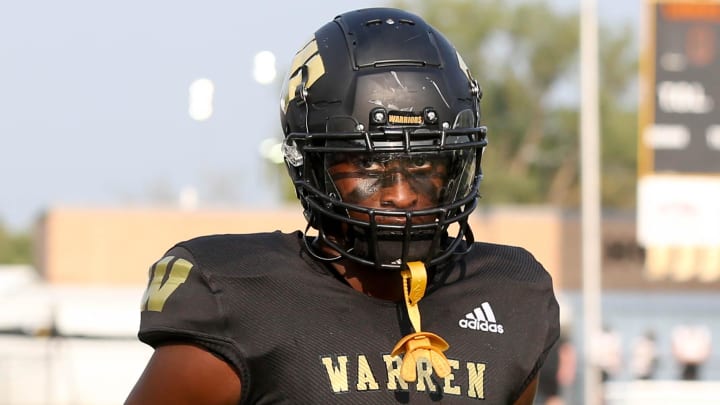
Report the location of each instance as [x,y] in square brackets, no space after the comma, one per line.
[590,195]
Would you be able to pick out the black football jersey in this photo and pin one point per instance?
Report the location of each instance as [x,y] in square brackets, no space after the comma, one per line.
[296,334]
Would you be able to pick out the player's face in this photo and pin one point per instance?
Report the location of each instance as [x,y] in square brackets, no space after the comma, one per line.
[393,182]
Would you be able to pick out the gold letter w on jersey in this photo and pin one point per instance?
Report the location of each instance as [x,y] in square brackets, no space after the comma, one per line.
[158,291]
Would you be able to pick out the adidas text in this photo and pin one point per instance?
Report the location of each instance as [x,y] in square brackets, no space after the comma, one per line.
[481,325]
[482,318]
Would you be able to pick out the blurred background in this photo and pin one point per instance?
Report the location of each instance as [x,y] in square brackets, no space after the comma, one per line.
[126,127]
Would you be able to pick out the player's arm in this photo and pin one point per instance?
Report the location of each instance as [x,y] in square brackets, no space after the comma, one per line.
[528,396]
[181,374]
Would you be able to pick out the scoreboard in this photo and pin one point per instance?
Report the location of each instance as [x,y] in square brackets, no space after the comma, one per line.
[680,109]
[678,216]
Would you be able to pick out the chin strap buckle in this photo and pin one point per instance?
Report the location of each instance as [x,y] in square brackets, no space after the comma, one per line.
[419,345]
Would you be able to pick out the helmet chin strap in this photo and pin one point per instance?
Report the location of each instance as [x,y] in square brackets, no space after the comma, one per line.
[390,251]
[419,345]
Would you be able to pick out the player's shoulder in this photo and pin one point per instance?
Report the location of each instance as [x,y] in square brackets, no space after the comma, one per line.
[506,261]
[215,252]
[498,250]
[243,242]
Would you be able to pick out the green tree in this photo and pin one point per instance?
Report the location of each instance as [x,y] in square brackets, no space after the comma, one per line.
[525,54]
[15,248]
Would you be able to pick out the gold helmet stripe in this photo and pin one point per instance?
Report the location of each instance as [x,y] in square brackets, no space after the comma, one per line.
[302,56]
[463,66]
[309,57]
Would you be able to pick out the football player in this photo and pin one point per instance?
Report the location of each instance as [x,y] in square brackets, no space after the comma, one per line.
[385,297]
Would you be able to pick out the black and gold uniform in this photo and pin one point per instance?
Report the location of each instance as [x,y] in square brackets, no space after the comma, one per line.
[296,334]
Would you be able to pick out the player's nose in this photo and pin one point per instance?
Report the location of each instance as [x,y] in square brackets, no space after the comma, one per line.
[397,192]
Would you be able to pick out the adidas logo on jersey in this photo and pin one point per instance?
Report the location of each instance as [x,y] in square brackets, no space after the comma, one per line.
[483,319]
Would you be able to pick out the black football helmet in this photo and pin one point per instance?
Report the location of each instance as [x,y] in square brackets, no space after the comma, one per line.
[382,85]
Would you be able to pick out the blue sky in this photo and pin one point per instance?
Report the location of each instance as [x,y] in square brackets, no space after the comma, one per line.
[94,99]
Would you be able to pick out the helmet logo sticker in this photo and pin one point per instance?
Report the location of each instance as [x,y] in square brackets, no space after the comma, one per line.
[405,119]
[310,58]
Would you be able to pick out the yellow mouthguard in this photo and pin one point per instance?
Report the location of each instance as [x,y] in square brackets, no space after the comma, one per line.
[420,344]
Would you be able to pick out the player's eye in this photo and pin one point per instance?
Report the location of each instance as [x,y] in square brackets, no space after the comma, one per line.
[420,162]
[368,163]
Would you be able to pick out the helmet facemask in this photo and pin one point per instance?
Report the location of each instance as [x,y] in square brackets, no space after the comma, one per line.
[348,177]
